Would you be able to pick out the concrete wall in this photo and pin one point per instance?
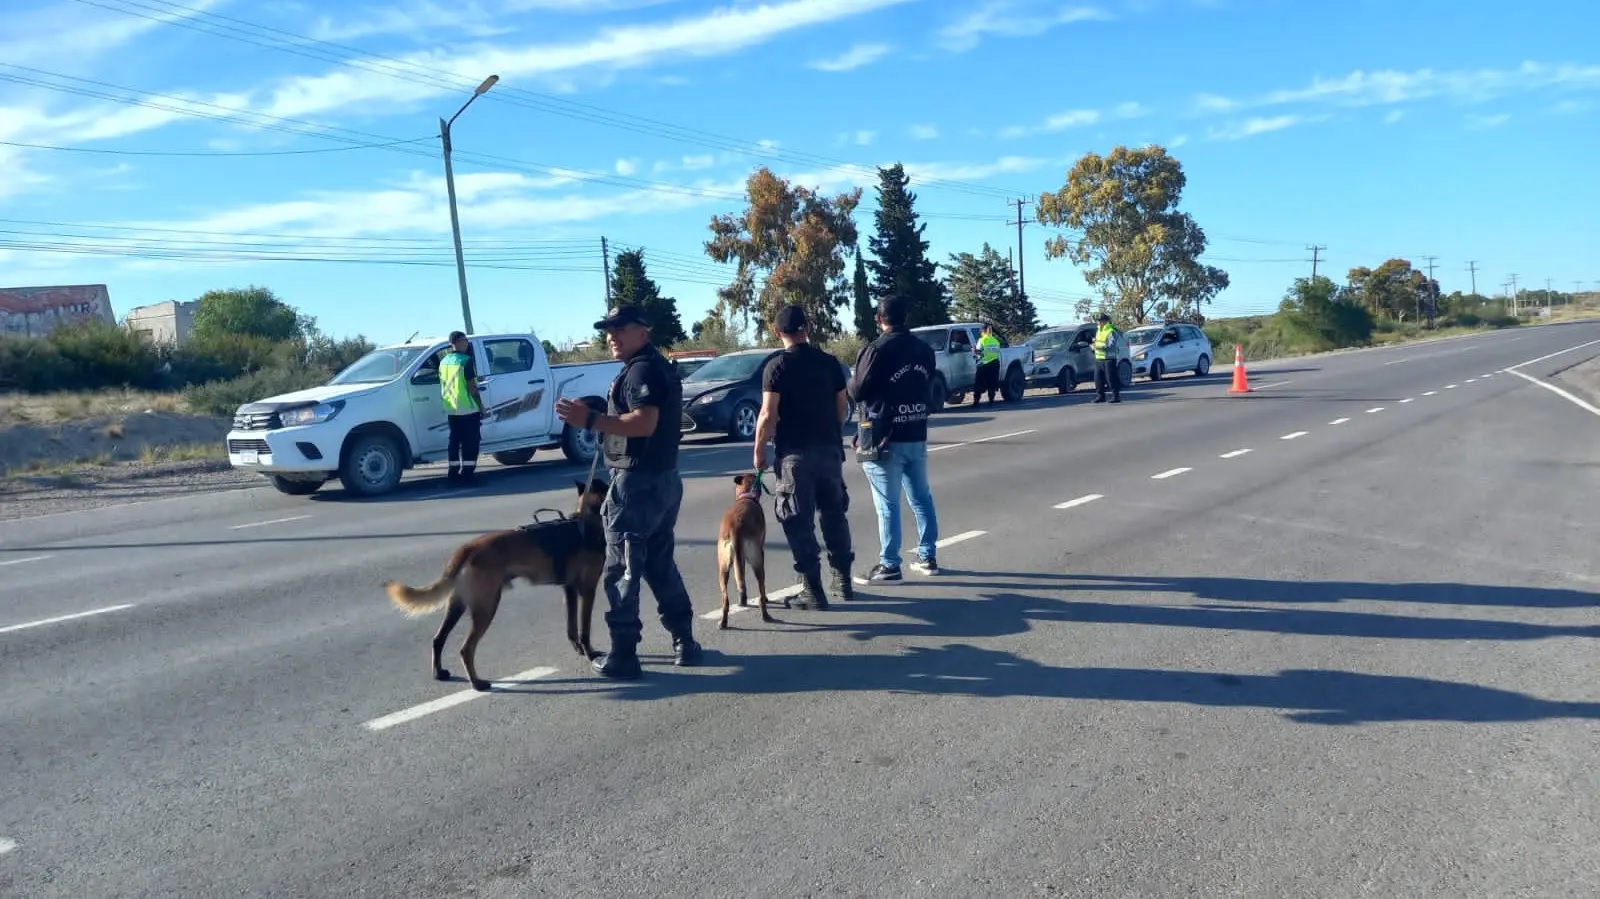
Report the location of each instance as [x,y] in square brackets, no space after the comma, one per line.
[168,323]
[36,311]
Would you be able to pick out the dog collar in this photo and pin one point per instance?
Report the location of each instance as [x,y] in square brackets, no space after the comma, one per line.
[749,494]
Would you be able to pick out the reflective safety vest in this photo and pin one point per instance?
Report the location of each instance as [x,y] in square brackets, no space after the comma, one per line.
[988,349]
[453,385]
[1104,339]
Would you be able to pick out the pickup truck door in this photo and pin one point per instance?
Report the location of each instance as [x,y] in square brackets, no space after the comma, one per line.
[514,379]
[962,367]
[429,424]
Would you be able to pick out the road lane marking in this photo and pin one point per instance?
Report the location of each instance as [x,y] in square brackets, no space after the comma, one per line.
[1487,376]
[1233,455]
[1080,501]
[1398,361]
[1580,403]
[7,845]
[1336,421]
[1303,433]
[1472,380]
[945,446]
[1430,393]
[262,524]
[22,561]
[1170,473]
[1374,409]
[60,618]
[1409,399]
[448,702]
[1548,356]
[1450,386]
[959,538]
[1273,384]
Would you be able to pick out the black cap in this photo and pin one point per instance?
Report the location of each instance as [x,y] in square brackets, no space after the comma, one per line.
[1103,317]
[620,316]
[791,319]
[457,335]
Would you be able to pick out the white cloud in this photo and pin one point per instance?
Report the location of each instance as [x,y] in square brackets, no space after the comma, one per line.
[1572,107]
[698,162]
[1487,121]
[1258,125]
[1177,142]
[1011,18]
[1388,86]
[87,32]
[416,19]
[924,132]
[1129,110]
[1061,121]
[626,167]
[1214,103]
[1394,116]
[864,138]
[853,58]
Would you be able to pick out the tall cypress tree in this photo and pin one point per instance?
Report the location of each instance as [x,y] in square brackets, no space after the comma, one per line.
[632,286]
[901,266]
[866,312]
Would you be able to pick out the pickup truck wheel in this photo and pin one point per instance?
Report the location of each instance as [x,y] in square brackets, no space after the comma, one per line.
[1125,373]
[579,445]
[937,393]
[295,488]
[371,465]
[514,457]
[743,426]
[1014,386]
[1157,369]
[1067,381]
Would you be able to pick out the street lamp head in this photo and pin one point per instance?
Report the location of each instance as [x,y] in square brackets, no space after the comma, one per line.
[484,87]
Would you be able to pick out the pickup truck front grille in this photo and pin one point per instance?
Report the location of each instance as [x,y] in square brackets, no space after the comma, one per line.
[255,421]
[239,446]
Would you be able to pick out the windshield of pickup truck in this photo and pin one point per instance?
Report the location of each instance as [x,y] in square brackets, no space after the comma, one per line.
[1142,336]
[936,340]
[379,366]
[735,367]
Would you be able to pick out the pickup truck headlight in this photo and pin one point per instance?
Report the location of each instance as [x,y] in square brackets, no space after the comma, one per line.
[715,396]
[309,415]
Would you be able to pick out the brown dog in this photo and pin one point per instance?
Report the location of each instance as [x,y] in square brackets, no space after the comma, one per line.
[570,552]
[742,538]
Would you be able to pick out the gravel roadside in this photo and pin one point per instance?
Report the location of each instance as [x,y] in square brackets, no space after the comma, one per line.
[93,487]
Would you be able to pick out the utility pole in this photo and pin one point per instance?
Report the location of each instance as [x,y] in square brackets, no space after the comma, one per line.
[605,263]
[1513,295]
[1022,281]
[1547,297]
[1473,268]
[450,189]
[1433,292]
[1315,250]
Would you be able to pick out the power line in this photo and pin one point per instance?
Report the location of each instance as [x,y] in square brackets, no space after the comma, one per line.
[218,153]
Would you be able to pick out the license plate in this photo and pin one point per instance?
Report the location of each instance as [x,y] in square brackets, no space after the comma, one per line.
[249,457]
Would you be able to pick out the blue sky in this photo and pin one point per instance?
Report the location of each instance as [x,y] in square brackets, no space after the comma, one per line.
[1460,130]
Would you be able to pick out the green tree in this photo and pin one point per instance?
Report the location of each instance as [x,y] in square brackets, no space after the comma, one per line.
[984,288]
[247,311]
[866,311]
[1393,290]
[901,266]
[1317,310]
[631,285]
[794,237]
[1143,255]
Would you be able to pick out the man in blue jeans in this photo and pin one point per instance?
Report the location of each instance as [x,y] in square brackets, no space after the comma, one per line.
[891,387]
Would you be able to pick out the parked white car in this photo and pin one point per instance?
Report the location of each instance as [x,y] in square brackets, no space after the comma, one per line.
[1157,350]
[383,415]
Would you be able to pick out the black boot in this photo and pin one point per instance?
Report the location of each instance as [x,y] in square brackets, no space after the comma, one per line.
[811,595]
[840,584]
[618,664]
[686,652]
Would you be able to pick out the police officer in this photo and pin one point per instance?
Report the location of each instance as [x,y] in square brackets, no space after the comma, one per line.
[1107,342]
[463,407]
[639,433]
[988,353]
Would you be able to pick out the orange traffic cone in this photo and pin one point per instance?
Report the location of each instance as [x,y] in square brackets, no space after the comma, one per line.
[1240,382]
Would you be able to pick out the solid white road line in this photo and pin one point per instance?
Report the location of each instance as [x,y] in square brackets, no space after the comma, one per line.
[447,702]
[1080,501]
[7,845]
[1273,384]
[945,446]
[1580,403]
[1300,433]
[60,618]
[1336,421]
[22,561]
[1170,473]
[262,524]
[1233,455]
[1549,356]
[1374,409]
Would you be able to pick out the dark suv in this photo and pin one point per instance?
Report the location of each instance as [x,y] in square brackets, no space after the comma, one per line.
[724,395]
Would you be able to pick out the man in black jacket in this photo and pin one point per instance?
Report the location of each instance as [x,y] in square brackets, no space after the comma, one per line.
[891,385]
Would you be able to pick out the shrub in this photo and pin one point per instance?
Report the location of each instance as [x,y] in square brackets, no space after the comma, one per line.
[223,397]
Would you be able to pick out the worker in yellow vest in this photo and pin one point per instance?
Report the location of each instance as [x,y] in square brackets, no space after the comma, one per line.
[1107,347]
[463,405]
[987,352]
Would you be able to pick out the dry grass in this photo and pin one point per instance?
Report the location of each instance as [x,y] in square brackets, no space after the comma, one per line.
[63,471]
[184,452]
[52,408]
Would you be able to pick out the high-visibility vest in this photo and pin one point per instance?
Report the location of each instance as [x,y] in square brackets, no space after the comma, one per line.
[453,385]
[988,349]
[1103,339]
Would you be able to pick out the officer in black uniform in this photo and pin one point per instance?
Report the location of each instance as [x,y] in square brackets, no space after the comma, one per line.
[639,434]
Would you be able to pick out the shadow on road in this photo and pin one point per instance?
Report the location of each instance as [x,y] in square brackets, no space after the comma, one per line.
[1255,590]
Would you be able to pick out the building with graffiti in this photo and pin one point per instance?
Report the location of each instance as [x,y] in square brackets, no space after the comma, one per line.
[36,311]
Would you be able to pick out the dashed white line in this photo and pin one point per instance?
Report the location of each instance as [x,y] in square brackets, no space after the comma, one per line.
[1233,455]
[60,618]
[22,561]
[1374,409]
[7,845]
[447,702]
[1472,380]
[1080,501]
[1450,386]
[959,538]
[1430,392]
[262,524]
[1487,376]
[935,449]
[1169,473]
[1336,421]
[1303,433]
[1273,384]
[1409,399]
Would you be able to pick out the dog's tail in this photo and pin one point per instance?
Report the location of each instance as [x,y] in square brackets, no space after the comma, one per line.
[420,601]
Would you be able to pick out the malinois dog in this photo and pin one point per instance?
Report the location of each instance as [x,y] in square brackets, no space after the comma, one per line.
[568,551]
[742,538]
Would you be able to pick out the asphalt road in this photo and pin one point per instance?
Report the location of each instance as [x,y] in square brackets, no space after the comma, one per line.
[1328,639]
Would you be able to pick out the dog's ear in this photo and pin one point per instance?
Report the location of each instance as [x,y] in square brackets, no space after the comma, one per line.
[582,487]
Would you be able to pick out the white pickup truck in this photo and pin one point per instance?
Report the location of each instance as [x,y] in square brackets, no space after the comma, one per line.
[383,415]
[958,369]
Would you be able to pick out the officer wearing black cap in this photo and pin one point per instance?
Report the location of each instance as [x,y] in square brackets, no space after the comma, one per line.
[639,436]
[803,407]
[1107,344]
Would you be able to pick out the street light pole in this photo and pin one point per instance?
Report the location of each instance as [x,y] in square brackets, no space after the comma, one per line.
[450,189]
